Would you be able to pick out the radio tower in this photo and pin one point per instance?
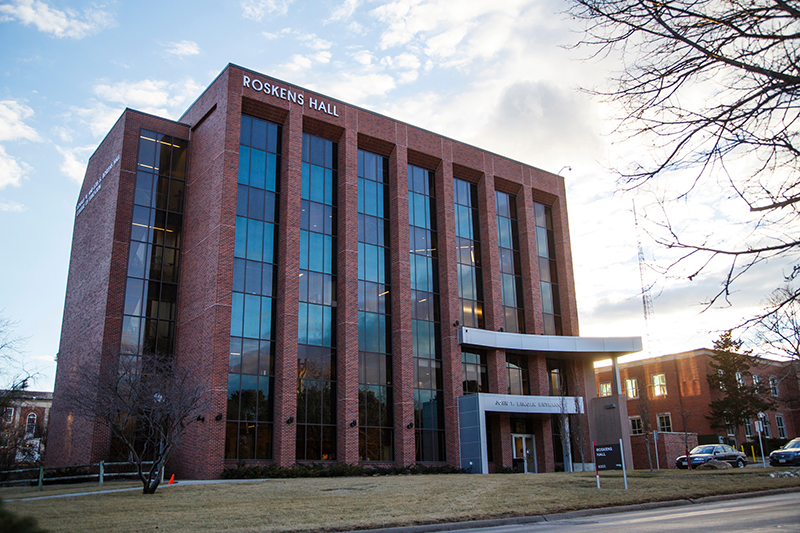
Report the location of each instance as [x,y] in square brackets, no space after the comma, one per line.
[647,302]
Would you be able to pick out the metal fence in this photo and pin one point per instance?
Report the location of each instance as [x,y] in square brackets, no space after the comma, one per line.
[101,475]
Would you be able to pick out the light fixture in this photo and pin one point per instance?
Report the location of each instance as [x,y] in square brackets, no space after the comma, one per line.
[290,420]
[501,330]
[456,324]
[353,424]
[201,418]
[410,425]
[218,417]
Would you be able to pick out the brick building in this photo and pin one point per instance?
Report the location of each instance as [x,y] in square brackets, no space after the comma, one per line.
[23,426]
[339,281]
[678,398]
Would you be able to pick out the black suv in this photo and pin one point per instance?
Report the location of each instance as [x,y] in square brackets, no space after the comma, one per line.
[788,455]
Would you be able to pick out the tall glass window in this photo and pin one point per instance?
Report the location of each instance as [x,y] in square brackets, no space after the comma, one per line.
[470,280]
[251,367]
[375,413]
[518,381]
[423,259]
[548,277]
[151,292]
[475,372]
[316,351]
[510,269]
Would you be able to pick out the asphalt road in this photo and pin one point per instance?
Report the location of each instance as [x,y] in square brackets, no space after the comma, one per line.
[780,512]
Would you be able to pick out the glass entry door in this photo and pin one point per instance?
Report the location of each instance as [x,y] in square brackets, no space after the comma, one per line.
[524,454]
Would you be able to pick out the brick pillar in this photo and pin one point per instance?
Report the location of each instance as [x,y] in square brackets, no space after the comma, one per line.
[347,294]
[402,355]
[490,257]
[449,307]
[286,308]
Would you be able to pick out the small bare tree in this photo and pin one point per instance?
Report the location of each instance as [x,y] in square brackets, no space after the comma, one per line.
[577,427]
[147,405]
[643,404]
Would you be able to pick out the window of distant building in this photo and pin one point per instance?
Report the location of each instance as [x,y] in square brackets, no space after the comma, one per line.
[548,272]
[767,432]
[773,386]
[510,266]
[631,388]
[605,388]
[748,428]
[8,415]
[739,379]
[664,422]
[375,391]
[757,383]
[659,385]
[636,425]
[30,426]
[781,425]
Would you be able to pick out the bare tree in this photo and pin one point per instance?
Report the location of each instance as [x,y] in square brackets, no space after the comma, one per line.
[13,374]
[577,427]
[712,87]
[777,330]
[643,405]
[147,404]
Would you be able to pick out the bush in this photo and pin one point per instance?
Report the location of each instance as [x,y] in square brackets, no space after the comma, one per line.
[11,523]
[242,471]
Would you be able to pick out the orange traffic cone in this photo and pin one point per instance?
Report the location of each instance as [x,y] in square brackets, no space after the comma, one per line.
[171,479]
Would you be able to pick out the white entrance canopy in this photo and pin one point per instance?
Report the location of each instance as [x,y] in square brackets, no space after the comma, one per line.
[600,346]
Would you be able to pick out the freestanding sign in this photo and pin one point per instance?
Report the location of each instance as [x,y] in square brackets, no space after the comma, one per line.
[608,456]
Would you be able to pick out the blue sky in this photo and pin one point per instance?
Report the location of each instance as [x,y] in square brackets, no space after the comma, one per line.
[494,74]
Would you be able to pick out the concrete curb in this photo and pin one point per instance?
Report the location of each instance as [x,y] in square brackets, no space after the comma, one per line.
[455,526]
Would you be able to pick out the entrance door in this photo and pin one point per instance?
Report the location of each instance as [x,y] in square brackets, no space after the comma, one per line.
[524,454]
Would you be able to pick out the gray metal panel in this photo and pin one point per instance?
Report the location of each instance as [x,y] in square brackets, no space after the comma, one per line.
[472,433]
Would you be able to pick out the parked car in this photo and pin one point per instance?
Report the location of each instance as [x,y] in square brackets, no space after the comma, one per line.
[700,455]
[789,454]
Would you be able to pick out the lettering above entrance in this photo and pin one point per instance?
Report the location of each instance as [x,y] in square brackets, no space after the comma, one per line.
[509,403]
[289,95]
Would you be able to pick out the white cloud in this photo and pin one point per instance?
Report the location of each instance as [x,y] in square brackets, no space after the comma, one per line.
[74,161]
[314,42]
[183,48]
[344,11]
[158,97]
[13,128]
[11,207]
[363,57]
[99,117]
[269,36]
[57,23]
[12,125]
[256,9]
[11,171]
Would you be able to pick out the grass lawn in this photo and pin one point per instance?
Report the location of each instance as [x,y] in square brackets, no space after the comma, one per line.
[330,504]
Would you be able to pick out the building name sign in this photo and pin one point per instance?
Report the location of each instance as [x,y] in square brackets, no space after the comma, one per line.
[507,403]
[289,95]
[95,187]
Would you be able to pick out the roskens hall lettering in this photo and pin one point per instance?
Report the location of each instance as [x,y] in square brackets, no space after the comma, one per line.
[287,94]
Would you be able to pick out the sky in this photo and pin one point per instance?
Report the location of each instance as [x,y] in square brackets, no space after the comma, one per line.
[499,75]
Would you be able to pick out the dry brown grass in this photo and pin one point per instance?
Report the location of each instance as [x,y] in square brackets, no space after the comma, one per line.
[348,503]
